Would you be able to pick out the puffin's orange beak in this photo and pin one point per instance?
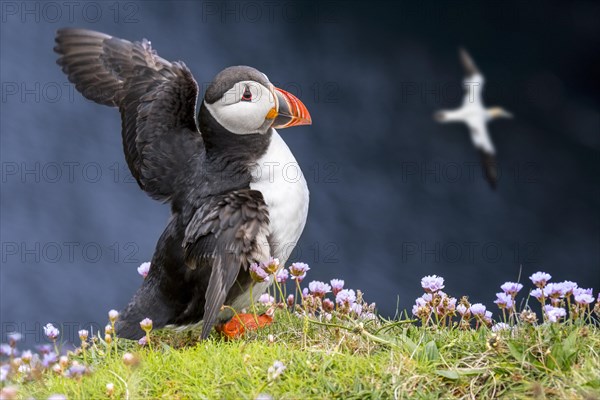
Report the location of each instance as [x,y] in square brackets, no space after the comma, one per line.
[291,111]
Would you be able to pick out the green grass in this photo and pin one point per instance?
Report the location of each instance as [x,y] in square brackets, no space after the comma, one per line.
[372,360]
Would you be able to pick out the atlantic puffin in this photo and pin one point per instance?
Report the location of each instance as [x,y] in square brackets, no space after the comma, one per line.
[475,115]
[224,174]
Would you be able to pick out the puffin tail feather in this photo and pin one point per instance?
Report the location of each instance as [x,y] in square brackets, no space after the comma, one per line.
[146,303]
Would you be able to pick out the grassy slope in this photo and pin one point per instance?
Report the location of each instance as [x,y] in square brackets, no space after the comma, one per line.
[384,361]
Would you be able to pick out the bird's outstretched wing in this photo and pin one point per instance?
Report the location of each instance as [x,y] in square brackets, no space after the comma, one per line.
[156,99]
[483,143]
[473,82]
[490,168]
[225,233]
[468,63]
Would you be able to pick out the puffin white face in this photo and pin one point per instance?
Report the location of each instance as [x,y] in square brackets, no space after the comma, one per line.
[247,108]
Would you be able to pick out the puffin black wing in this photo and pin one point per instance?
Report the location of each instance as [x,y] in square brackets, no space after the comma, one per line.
[226,232]
[156,99]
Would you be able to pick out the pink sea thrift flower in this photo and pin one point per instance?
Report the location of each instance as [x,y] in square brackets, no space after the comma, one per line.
[346,297]
[336,286]
[113,315]
[51,332]
[271,266]
[432,283]
[319,289]
[478,309]
[146,324]
[500,326]
[463,310]
[328,305]
[504,300]
[266,298]
[143,269]
[584,298]
[298,271]
[540,278]
[511,288]
[282,276]
[258,274]
[555,313]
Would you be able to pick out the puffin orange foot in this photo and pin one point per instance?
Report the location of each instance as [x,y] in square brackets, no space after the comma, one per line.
[241,323]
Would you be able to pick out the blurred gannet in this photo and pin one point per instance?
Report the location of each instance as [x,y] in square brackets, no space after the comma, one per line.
[475,115]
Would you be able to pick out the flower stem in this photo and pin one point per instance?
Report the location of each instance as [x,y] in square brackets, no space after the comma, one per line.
[393,324]
[114,334]
[235,315]
[253,305]
[283,299]
[83,346]
[305,325]
[358,328]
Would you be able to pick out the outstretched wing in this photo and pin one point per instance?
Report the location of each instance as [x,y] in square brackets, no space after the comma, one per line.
[483,143]
[474,80]
[468,63]
[156,99]
[490,168]
[228,233]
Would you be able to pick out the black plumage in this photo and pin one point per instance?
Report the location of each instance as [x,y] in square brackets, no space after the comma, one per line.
[489,167]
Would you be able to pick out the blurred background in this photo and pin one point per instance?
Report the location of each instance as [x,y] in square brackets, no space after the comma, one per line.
[395,196]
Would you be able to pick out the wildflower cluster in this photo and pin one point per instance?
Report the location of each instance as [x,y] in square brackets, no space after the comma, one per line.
[558,300]
[21,367]
[318,299]
[562,299]
[28,365]
[346,302]
[505,300]
[435,307]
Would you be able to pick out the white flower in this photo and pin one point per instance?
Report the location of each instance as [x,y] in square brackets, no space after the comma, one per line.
[356,308]
[266,298]
[14,337]
[500,326]
[143,269]
[83,335]
[146,324]
[584,298]
[110,389]
[555,313]
[24,369]
[51,331]
[432,283]
[57,397]
[275,370]
[4,372]
[113,315]
[345,296]
[26,356]
[478,309]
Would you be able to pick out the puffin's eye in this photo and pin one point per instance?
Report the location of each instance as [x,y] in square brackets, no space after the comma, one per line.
[247,96]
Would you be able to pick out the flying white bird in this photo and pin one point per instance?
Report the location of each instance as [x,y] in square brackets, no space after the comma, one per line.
[475,115]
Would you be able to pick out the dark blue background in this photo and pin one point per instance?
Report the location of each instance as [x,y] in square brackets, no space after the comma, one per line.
[394,195]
